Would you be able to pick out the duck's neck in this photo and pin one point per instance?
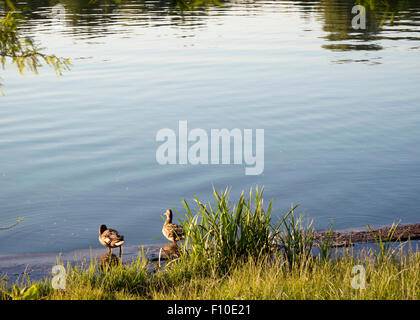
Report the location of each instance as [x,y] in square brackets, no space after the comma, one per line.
[169,218]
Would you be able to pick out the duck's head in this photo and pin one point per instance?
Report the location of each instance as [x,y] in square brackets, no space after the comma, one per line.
[168,214]
[102,228]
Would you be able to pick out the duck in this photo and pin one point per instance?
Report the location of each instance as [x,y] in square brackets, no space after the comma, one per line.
[110,238]
[171,231]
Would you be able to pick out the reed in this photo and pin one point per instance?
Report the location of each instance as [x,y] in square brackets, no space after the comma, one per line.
[296,238]
[235,251]
[223,232]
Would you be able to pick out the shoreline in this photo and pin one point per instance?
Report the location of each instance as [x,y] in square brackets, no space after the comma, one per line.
[38,265]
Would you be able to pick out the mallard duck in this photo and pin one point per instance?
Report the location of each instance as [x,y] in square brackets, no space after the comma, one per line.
[172,232]
[110,238]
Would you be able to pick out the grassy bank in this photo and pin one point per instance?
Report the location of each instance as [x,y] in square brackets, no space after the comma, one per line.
[236,251]
[252,279]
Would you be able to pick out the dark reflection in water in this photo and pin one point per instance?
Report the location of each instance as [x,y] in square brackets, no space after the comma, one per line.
[108,260]
[96,18]
[385,18]
[170,251]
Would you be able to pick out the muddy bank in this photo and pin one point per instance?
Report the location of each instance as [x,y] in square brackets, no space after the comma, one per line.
[401,233]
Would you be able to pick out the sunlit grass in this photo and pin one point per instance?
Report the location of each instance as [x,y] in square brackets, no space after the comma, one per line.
[320,279]
[263,278]
[225,231]
[235,251]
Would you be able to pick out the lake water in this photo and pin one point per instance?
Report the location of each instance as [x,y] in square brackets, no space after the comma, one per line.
[339,108]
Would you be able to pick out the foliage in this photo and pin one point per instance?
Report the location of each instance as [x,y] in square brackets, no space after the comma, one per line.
[324,245]
[24,293]
[296,238]
[191,5]
[225,231]
[22,52]
[228,254]
[383,249]
[263,278]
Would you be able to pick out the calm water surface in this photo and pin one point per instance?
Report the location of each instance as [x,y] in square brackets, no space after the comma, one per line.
[340,109]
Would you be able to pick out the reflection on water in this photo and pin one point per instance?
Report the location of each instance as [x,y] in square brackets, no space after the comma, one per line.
[170,251]
[387,19]
[108,260]
[339,108]
[384,20]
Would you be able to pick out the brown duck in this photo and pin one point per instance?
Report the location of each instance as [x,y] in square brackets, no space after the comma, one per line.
[110,238]
[171,231]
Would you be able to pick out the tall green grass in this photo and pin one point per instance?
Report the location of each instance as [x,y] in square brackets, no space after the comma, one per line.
[296,238]
[383,249]
[224,231]
[236,251]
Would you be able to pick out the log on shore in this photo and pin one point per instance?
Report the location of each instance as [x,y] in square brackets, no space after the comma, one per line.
[401,233]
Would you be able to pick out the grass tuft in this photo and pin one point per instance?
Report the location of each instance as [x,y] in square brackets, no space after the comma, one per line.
[234,251]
